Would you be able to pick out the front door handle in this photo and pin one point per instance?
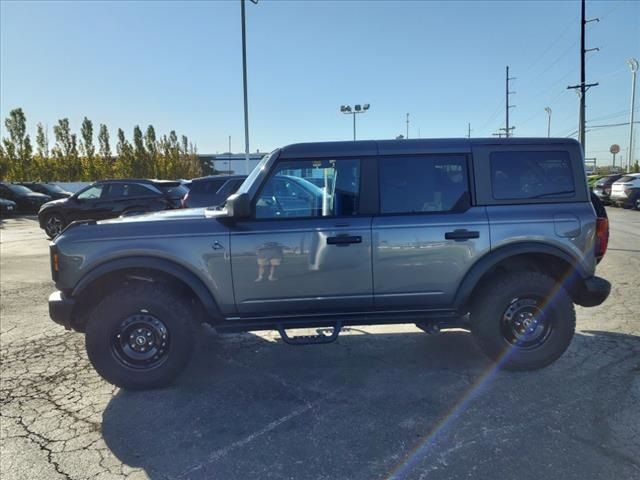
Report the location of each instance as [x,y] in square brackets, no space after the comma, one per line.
[460,235]
[344,240]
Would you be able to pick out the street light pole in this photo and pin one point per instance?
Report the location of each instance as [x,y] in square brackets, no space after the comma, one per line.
[633,64]
[349,110]
[244,81]
[548,110]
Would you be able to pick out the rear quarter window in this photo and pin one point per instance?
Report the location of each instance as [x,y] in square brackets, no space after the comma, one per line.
[529,175]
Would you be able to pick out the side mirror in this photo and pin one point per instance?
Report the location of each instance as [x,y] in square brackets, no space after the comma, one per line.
[238,205]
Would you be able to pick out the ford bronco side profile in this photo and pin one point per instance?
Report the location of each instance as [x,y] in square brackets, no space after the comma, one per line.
[496,236]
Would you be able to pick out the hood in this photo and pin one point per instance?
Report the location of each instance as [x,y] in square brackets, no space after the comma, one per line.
[55,203]
[167,223]
[177,214]
[39,196]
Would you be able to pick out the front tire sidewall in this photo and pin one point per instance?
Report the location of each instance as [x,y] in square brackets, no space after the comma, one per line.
[558,309]
[106,320]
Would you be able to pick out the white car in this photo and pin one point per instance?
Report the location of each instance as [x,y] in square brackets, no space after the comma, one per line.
[625,192]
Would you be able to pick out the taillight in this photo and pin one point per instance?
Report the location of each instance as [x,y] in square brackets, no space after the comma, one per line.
[602,237]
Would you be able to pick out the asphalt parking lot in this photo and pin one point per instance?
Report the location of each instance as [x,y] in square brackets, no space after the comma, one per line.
[384,402]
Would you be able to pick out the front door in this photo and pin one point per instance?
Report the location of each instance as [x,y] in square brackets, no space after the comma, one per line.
[427,234]
[306,247]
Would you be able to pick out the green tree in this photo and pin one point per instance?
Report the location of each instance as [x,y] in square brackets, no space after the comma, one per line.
[139,167]
[65,151]
[124,162]
[4,163]
[41,165]
[151,145]
[17,148]
[106,170]
[88,150]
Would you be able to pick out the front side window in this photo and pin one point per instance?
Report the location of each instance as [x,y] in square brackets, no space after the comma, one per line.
[311,188]
[91,193]
[530,175]
[430,183]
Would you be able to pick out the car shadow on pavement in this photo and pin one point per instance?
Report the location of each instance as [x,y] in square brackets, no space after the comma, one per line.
[370,405]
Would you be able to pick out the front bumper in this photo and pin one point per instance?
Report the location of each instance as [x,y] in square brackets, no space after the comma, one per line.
[594,292]
[61,309]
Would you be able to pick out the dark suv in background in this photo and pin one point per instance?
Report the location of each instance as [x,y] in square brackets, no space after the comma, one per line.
[602,188]
[27,201]
[54,191]
[211,191]
[108,199]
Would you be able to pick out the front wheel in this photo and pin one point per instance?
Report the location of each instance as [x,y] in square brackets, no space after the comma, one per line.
[141,336]
[523,320]
[53,225]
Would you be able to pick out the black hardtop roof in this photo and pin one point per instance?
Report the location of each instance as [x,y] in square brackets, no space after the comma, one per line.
[410,146]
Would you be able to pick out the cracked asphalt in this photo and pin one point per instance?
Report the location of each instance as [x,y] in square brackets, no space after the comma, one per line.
[383,402]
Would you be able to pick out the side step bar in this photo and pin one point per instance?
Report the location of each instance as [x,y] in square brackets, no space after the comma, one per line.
[318,339]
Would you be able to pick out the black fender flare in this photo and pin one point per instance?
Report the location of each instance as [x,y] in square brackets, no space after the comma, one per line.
[165,266]
[489,260]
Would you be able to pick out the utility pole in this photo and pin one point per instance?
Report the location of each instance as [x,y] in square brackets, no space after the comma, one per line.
[583,86]
[229,160]
[548,110]
[507,129]
[633,64]
[407,137]
[469,130]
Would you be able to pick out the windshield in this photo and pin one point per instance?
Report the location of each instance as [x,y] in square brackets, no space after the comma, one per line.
[19,189]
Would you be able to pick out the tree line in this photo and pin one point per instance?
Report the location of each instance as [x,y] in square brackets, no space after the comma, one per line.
[72,158]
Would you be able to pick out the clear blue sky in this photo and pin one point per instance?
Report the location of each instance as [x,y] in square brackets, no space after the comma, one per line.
[177,65]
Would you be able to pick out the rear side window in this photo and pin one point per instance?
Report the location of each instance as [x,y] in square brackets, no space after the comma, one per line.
[529,175]
[431,183]
[207,187]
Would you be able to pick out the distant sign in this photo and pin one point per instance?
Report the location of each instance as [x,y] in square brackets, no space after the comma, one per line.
[615,148]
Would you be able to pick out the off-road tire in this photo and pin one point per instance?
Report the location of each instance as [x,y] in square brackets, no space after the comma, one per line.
[498,296]
[137,300]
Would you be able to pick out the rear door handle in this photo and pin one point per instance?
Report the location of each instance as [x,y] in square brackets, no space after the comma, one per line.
[344,240]
[459,235]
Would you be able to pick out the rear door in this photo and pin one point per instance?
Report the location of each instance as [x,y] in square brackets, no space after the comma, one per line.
[311,253]
[427,234]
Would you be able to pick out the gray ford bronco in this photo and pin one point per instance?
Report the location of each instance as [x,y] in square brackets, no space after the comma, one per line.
[496,236]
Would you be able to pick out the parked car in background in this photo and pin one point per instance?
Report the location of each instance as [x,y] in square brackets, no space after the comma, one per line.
[602,187]
[625,192]
[54,191]
[211,191]
[108,199]
[7,207]
[26,200]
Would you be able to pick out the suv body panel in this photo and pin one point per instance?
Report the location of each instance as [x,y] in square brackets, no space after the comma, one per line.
[426,276]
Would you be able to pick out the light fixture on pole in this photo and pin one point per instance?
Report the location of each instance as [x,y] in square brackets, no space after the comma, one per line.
[633,64]
[244,81]
[548,110]
[356,109]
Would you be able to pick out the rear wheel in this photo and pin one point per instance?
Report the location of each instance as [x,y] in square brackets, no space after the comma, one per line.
[141,336]
[523,320]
